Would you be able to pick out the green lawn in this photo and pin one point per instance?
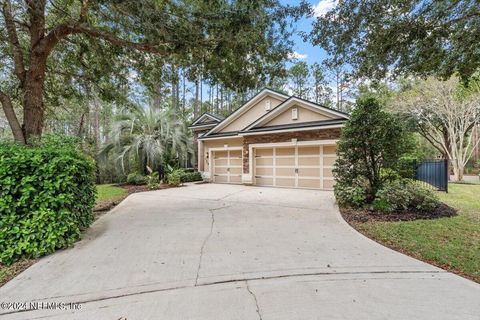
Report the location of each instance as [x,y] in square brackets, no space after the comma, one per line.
[452,243]
[109,192]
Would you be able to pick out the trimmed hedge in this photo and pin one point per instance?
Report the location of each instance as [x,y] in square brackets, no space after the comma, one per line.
[191,176]
[46,198]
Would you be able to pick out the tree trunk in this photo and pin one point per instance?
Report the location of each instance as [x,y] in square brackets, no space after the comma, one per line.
[196,103]
[12,118]
[33,108]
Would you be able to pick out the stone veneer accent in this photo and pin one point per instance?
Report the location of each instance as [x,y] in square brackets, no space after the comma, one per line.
[319,134]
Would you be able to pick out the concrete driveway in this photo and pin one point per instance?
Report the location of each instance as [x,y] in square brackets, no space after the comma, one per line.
[234,252]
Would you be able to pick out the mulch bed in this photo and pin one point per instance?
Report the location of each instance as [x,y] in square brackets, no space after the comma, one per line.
[16,269]
[360,215]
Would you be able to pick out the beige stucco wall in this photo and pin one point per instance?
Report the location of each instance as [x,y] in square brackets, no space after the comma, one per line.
[304,115]
[218,143]
[252,114]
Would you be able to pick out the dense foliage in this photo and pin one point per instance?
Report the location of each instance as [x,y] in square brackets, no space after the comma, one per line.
[46,198]
[371,142]
[55,48]
[191,176]
[380,37]
[404,194]
[137,179]
[145,138]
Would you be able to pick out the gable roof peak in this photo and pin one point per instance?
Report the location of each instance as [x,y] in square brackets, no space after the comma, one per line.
[246,106]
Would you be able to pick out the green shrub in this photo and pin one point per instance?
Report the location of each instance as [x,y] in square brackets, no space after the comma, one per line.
[423,198]
[46,197]
[350,195]
[137,179]
[394,195]
[153,181]
[174,178]
[371,142]
[191,176]
[401,195]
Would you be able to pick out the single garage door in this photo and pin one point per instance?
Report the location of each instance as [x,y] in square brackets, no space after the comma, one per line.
[227,166]
[302,166]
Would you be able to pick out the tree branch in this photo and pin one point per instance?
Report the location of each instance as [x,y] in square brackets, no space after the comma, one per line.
[12,118]
[36,11]
[13,39]
[61,31]
[83,10]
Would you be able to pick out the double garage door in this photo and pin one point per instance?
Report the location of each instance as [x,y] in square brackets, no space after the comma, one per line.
[308,166]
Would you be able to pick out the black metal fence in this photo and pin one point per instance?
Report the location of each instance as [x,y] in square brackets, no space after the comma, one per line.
[432,173]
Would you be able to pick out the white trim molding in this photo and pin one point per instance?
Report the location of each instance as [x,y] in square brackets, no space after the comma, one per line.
[291,102]
[244,108]
[291,130]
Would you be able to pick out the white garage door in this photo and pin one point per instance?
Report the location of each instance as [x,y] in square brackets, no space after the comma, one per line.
[303,166]
[227,166]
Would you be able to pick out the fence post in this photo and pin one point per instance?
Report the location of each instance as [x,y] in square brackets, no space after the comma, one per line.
[445,161]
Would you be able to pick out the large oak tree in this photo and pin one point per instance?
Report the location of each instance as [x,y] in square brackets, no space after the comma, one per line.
[420,37]
[237,42]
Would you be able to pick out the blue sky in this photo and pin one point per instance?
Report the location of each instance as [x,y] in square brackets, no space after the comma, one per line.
[307,52]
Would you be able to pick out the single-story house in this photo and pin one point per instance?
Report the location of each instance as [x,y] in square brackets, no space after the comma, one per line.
[271,140]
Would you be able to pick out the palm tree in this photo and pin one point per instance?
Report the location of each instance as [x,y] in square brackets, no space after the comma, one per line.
[148,137]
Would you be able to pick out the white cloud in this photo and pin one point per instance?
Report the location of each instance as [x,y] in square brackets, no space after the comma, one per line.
[296,55]
[323,7]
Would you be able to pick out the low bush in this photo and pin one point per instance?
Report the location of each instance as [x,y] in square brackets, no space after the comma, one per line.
[174,178]
[191,176]
[350,195]
[46,197]
[153,181]
[404,194]
[137,179]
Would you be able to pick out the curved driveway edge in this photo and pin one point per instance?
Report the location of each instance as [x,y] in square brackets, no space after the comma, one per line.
[215,251]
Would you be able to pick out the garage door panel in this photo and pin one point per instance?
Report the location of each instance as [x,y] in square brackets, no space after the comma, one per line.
[329,161]
[235,179]
[264,152]
[220,154]
[285,172]
[235,154]
[309,172]
[284,182]
[309,183]
[264,171]
[236,171]
[309,161]
[285,151]
[221,162]
[329,149]
[264,181]
[328,184]
[264,161]
[220,178]
[285,161]
[310,150]
[327,173]
[221,170]
[235,162]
